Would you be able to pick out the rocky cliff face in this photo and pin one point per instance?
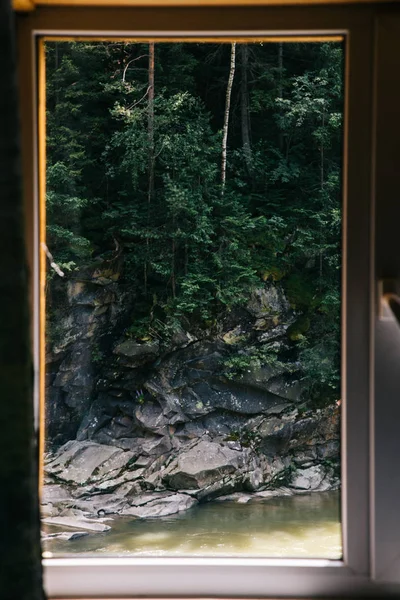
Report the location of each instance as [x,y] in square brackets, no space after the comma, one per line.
[84,315]
[149,428]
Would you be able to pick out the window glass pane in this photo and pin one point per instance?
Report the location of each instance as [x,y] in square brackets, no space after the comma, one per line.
[193,298]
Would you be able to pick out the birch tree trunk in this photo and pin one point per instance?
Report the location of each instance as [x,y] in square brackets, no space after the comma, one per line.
[150,134]
[226,114]
[322,183]
[20,553]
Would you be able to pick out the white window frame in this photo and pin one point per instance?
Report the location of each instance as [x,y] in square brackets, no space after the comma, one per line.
[371,542]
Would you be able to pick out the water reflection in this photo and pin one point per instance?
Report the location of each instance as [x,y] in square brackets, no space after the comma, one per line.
[299,526]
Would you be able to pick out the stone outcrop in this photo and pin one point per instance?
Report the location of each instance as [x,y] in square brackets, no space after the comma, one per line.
[202,465]
[76,523]
[80,463]
[149,428]
[158,505]
[85,308]
[104,480]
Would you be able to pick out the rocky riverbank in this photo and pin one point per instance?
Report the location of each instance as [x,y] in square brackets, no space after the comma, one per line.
[151,427]
[87,481]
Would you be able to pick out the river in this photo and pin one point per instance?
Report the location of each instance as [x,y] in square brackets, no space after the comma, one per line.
[298,526]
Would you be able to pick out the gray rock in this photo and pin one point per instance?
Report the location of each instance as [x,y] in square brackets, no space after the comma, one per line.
[55,493]
[159,505]
[266,301]
[202,465]
[254,480]
[48,510]
[275,434]
[83,314]
[234,396]
[102,504]
[267,494]
[94,420]
[274,469]
[64,455]
[109,485]
[151,417]
[221,487]
[74,523]
[215,424]
[113,465]
[303,430]
[128,490]
[305,457]
[143,461]
[64,535]
[288,389]
[239,497]
[80,462]
[272,332]
[181,338]
[330,449]
[137,353]
[308,479]
[155,447]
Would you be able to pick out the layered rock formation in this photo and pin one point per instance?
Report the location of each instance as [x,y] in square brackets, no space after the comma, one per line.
[149,428]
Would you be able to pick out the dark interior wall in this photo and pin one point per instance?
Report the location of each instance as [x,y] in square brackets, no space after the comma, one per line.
[20,570]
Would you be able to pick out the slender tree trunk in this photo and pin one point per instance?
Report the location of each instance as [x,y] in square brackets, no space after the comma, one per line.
[226,115]
[244,106]
[150,134]
[322,183]
[20,553]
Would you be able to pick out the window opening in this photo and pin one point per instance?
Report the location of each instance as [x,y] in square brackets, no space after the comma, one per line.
[193,250]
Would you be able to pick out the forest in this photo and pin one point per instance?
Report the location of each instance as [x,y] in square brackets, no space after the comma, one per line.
[194,216]
[210,168]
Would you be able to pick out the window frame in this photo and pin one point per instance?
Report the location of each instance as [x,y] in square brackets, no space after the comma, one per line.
[240,577]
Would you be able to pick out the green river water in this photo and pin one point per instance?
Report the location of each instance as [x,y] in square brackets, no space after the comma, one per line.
[297,526]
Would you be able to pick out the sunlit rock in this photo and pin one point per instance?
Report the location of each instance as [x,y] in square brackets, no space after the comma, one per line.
[308,479]
[202,465]
[159,505]
[76,523]
[80,462]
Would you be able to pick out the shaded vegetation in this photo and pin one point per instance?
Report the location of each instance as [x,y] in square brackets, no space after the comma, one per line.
[134,173]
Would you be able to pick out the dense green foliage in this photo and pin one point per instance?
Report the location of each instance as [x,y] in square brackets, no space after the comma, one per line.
[140,178]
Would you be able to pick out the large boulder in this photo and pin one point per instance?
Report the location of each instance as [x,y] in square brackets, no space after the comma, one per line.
[308,479]
[202,465]
[268,301]
[158,505]
[149,415]
[276,381]
[82,462]
[78,523]
[275,434]
[137,353]
[85,309]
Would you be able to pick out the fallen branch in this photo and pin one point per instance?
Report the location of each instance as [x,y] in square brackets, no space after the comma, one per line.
[53,264]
